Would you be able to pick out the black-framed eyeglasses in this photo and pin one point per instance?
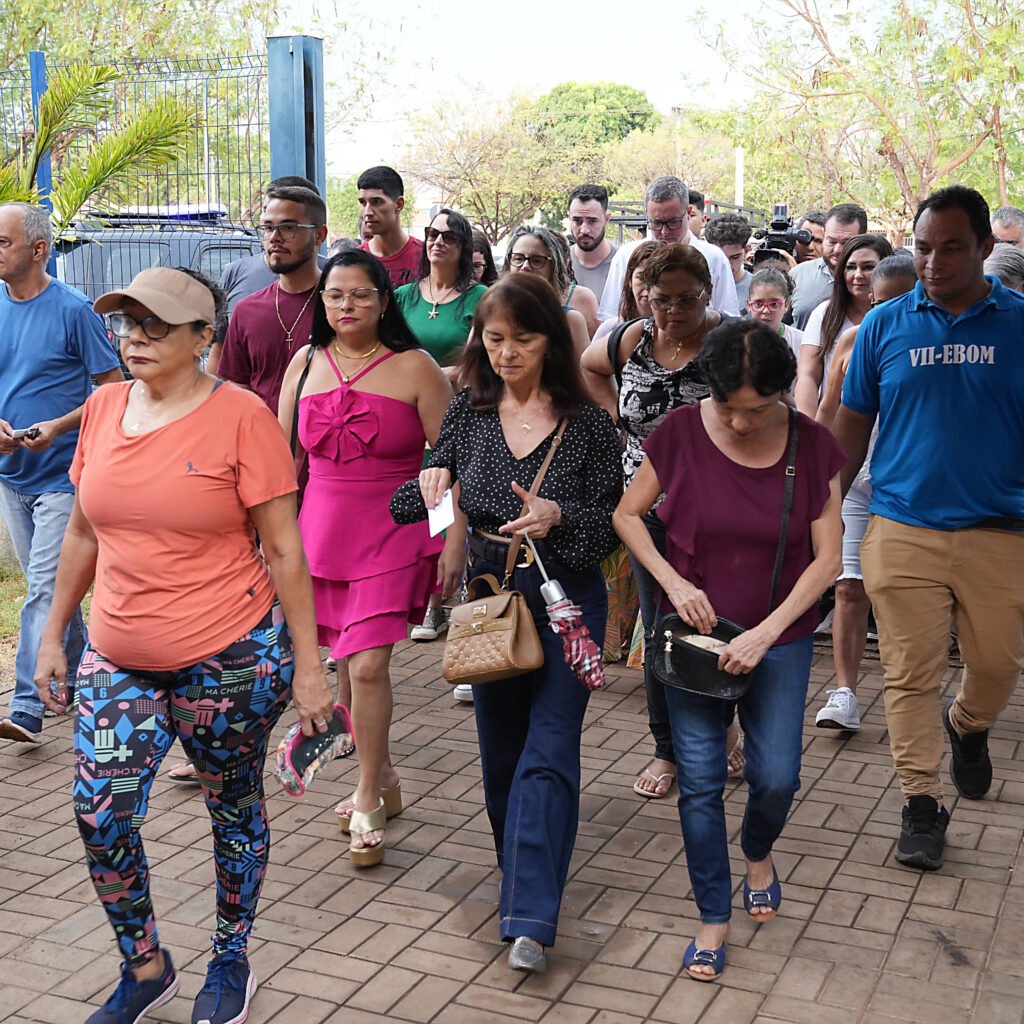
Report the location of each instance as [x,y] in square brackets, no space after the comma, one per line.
[683,302]
[536,262]
[122,325]
[673,224]
[288,230]
[448,237]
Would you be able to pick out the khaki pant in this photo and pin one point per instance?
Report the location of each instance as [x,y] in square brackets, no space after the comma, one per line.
[920,582]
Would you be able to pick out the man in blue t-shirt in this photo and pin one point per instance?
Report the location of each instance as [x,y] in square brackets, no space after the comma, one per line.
[51,343]
[942,370]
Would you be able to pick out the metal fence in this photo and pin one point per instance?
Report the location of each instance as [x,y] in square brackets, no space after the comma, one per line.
[200,210]
[227,158]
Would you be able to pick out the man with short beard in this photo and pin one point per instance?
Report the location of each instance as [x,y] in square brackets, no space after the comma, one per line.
[270,326]
[813,280]
[588,219]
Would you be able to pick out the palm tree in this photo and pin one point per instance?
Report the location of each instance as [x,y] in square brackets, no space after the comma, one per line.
[92,157]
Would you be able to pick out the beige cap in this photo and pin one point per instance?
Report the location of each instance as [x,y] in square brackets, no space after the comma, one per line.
[167,293]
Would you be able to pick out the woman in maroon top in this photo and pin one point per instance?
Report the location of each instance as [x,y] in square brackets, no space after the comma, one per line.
[722,464]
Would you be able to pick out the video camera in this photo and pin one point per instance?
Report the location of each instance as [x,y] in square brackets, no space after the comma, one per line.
[779,235]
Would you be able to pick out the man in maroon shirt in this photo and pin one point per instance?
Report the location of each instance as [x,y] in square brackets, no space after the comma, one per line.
[270,326]
[381,201]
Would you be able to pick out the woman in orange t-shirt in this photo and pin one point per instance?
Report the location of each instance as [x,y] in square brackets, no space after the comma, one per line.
[175,472]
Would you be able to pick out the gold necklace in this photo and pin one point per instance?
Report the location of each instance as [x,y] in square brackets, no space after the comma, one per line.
[344,355]
[432,315]
[289,331]
[134,428]
[525,423]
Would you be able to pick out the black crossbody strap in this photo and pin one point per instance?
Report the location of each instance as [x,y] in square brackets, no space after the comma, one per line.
[298,395]
[787,503]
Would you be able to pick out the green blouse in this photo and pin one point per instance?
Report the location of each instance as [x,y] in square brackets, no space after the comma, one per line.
[444,335]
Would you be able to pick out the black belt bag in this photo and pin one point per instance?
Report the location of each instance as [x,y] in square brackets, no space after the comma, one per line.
[678,659]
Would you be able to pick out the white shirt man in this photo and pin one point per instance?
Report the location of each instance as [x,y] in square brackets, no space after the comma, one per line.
[667,216]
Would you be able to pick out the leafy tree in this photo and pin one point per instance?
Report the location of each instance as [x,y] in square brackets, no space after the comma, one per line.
[700,154]
[343,207]
[904,102]
[88,168]
[583,117]
[126,30]
[488,161]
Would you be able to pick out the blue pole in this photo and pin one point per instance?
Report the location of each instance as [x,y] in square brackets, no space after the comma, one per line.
[37,79]
[316,161]
[295,80]
[44,172]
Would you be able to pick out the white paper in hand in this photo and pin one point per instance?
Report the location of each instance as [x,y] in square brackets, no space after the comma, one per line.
[443,516]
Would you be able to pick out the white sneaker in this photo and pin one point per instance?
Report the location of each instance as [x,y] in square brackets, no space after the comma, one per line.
[840,711]
[464,693]
[435,622]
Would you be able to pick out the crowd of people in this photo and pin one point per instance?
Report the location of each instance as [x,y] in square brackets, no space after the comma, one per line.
[754,432]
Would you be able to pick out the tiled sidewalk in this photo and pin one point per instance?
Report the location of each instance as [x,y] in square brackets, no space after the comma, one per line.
[859,939]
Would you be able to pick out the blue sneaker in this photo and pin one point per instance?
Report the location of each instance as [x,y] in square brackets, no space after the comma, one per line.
[21,726]
[132,1000]
[224,999]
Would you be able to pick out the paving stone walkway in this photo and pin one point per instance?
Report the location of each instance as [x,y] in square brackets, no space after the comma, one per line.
[859,938]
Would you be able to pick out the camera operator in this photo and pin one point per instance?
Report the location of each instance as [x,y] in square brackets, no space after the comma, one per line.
[814,222]
[812,281]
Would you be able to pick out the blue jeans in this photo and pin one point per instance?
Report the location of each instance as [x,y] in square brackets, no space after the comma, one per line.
[36,523]
[650,602]
[529,729]
[772,715]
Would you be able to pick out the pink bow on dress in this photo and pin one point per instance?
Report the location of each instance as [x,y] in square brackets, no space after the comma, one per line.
[341,426]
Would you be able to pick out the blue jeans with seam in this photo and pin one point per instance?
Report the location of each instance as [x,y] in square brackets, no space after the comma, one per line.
[529,730]
[772,716]
[36,523]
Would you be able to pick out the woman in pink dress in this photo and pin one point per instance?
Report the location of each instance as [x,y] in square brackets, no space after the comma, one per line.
[370,401]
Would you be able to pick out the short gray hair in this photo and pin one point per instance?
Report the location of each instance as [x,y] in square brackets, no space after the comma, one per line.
[1007,263]
[37,223]
[665,188]
[1009,215]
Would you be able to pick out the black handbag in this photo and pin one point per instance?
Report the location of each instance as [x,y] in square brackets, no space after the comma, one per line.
[680,663]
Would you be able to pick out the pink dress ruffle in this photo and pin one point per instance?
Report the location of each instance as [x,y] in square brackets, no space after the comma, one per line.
[370,576]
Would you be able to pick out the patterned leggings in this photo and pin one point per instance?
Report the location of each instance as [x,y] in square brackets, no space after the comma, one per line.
[223,710]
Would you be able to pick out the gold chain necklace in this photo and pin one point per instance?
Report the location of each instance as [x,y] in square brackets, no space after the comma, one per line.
[453,289]
[343,355]
[525,422]
[289,331]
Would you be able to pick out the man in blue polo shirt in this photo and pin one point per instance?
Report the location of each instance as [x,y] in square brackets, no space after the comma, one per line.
[50,343]
[942,369]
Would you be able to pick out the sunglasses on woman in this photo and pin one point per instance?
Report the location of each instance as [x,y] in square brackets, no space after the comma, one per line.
[448,237]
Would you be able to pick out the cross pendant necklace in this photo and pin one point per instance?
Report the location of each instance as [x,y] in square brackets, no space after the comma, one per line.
[289,331]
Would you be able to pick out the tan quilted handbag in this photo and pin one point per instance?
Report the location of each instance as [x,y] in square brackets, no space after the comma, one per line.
[494,637]
[490,637]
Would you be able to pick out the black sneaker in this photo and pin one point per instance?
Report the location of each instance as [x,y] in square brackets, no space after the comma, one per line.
[970,767]
[923,834]
[132,1000]
[225,997]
